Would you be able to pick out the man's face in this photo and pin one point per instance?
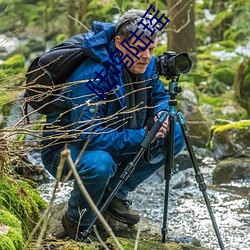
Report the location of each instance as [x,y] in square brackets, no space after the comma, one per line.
[140,65]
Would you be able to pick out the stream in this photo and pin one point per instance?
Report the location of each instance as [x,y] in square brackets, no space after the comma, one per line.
[187,212]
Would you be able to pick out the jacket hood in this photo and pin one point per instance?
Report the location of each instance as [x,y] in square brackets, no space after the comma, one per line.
[99,41]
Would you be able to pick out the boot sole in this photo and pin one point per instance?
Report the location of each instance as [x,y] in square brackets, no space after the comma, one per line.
[121,219]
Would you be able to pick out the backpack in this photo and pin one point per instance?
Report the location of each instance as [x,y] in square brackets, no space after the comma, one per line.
[48,73]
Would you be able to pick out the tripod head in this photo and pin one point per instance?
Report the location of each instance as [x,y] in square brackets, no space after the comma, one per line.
[174,89]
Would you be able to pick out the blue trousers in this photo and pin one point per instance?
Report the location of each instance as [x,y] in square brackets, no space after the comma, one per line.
[100,170]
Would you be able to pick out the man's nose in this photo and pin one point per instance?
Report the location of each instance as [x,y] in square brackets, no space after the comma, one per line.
[146,54]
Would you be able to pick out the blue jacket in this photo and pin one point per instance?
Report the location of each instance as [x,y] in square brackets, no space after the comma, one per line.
[88,117]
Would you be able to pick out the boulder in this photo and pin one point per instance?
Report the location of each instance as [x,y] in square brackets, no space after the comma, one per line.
[231,169]
[197,125]
[150,235]
[231,139]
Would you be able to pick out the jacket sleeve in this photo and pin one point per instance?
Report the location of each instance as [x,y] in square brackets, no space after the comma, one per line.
[88,120]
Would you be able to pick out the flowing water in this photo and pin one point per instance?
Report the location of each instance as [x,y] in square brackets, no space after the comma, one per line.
[187,212]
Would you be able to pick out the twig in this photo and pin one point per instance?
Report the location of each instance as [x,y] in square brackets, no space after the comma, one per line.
[99,238]
[66,154]
[137,236]
[77,21]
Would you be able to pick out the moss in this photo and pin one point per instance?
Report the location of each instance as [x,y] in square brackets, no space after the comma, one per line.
[128,244]
[22,200]
[16,237]
[9,219]
[224,75]
[236,125]
[238,128]
[212,100]
[6,243]
[13,239]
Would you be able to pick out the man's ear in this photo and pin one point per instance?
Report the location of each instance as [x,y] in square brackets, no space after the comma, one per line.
[118,41]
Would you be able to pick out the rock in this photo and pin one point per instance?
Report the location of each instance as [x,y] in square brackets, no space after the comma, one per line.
[197,125]
[231,169]
[229,140]
[188,95]
[149,238]
[181,179]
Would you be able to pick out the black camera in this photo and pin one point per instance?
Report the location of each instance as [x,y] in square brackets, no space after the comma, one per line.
[171,65]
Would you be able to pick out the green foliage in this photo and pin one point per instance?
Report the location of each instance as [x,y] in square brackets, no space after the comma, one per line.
[12,67]
[16,61]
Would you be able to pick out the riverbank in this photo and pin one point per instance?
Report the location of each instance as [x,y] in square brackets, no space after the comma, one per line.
[188,215]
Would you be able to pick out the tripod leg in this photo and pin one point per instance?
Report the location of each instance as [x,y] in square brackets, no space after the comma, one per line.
[199,177]
[168,173]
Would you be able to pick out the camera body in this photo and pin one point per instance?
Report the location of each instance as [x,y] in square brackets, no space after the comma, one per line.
[171,65]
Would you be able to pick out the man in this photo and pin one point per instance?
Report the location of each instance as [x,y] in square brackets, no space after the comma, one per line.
[110,123]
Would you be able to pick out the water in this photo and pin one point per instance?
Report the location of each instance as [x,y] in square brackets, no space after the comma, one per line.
[188,215]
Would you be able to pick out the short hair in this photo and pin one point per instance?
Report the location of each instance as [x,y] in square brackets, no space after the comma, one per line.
[129,22]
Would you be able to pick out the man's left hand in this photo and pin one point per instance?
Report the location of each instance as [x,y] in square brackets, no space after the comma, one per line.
[164,128]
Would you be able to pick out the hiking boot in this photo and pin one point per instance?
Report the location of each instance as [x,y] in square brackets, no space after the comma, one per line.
[121,211]
[75,231]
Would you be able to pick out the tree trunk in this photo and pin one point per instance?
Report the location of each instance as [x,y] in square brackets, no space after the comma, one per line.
[181,37]
[72,13]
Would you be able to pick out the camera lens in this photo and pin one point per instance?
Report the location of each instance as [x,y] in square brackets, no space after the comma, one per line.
[182,63]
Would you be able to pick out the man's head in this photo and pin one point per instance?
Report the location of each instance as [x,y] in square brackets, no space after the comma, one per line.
[144,45]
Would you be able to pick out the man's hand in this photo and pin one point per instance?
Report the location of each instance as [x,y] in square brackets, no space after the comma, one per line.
[164,128]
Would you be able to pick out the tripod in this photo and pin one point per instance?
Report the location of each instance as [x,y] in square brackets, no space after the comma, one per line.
[173,90]
[169,163]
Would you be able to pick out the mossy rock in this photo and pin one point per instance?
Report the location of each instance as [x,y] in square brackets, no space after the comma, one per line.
[128,244]
[22,200]
[221,106]
[232,139]
[10,231]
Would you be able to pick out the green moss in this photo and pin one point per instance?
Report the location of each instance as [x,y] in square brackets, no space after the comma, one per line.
[9,219]
[6,243]
[212,100]
[22,200]
[16,237]
[14,234]
[224,75]
[128,244]
[235,125]
[239,128]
